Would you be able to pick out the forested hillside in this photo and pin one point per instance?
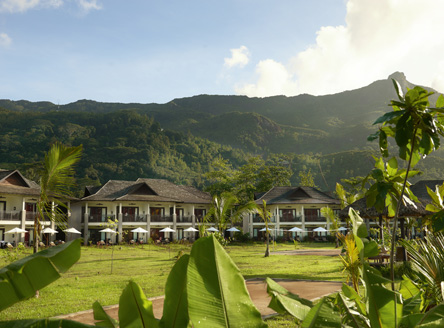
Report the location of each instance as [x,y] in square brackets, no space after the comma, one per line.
[326,135]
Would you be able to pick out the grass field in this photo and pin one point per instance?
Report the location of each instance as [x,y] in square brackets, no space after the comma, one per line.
[90,279]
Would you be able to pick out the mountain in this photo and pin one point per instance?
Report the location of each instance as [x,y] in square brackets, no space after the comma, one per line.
[177,140]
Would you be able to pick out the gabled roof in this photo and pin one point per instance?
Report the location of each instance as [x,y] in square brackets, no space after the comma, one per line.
[152,190]
[296,195]
[13,182]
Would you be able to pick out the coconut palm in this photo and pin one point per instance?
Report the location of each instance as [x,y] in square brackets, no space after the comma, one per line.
[225,209]
[56,181]
[265,216]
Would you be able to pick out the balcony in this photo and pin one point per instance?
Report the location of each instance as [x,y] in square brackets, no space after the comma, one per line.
[290,218]
[100,218]
[10,216]
[184,219]
[258,219]
[161,218]
[314,218]
[134,218]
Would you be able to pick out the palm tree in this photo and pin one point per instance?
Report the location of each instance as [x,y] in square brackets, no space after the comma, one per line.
[56,180]
[331,217]
[265,216]
[225,209]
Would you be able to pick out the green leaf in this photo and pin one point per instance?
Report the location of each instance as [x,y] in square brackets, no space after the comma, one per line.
[352,319]
[381,301]
[359,228]
[134,308]
[398,90]
[102,318]
[175,308]
[21,279]
[43,323]
[392,166]
[433,318]
[322,315]
[284,304]
[352,295]
[217,294]
[371,248]
[387,117]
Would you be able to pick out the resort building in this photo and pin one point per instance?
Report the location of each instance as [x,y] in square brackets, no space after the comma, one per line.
[18,206]
[292,207]
[151,204]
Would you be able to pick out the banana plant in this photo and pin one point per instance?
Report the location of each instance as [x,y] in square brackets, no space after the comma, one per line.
[203,289]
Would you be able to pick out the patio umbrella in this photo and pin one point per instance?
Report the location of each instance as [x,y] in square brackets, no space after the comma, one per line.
[72,230]
[48,230]
[16,231]
[320,229]
[106,231]
[295,229]
[212,229]
[342,229]
[233,229]
[168,230]
[191,229]
[264,229]
[139,230]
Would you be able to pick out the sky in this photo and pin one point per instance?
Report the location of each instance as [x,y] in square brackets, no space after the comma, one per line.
[152,51]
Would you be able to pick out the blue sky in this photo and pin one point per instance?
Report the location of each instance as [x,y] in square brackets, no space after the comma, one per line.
[154,51]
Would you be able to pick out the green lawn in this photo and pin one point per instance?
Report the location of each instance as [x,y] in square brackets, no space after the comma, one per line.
[90,279]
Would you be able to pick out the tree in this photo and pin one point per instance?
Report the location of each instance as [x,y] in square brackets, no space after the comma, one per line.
[265,216]
[331,217]
[307,179]
[416,129]
[56,181]
[225,209]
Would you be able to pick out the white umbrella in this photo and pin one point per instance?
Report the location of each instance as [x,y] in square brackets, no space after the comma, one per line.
[72,230]
[167,230]
[295,229]
[213,229]
[139,230]
[191,229]
[233,229]
[49,230]
[264,229]
[106,230]
[320,229]
[16,231]
[342,229]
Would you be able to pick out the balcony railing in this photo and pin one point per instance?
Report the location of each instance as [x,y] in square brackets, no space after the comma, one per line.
[184,219]
[10,216]
[100,218]
[314,218]
[134,218]
[290,218]
[258,219]
[161,218]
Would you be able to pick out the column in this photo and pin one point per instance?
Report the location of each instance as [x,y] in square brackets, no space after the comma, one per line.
[22,218]
[85,225]
[174,236]
[119,223]
[148,222]
[278,224]
[250,224]
[303,222]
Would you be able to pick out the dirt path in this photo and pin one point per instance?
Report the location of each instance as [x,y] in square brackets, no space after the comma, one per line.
[258,293]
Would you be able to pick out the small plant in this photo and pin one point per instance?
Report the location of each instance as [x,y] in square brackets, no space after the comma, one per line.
[220,238]
[296,244]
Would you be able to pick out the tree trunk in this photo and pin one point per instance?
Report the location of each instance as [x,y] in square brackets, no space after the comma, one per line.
[267,251]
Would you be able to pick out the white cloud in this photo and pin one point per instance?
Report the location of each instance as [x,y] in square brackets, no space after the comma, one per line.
[14,6]
[88,5]
[239,57]
[5,40]
[379,38]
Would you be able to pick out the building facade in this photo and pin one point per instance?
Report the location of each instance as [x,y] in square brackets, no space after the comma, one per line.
[151,204]
[292,207]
